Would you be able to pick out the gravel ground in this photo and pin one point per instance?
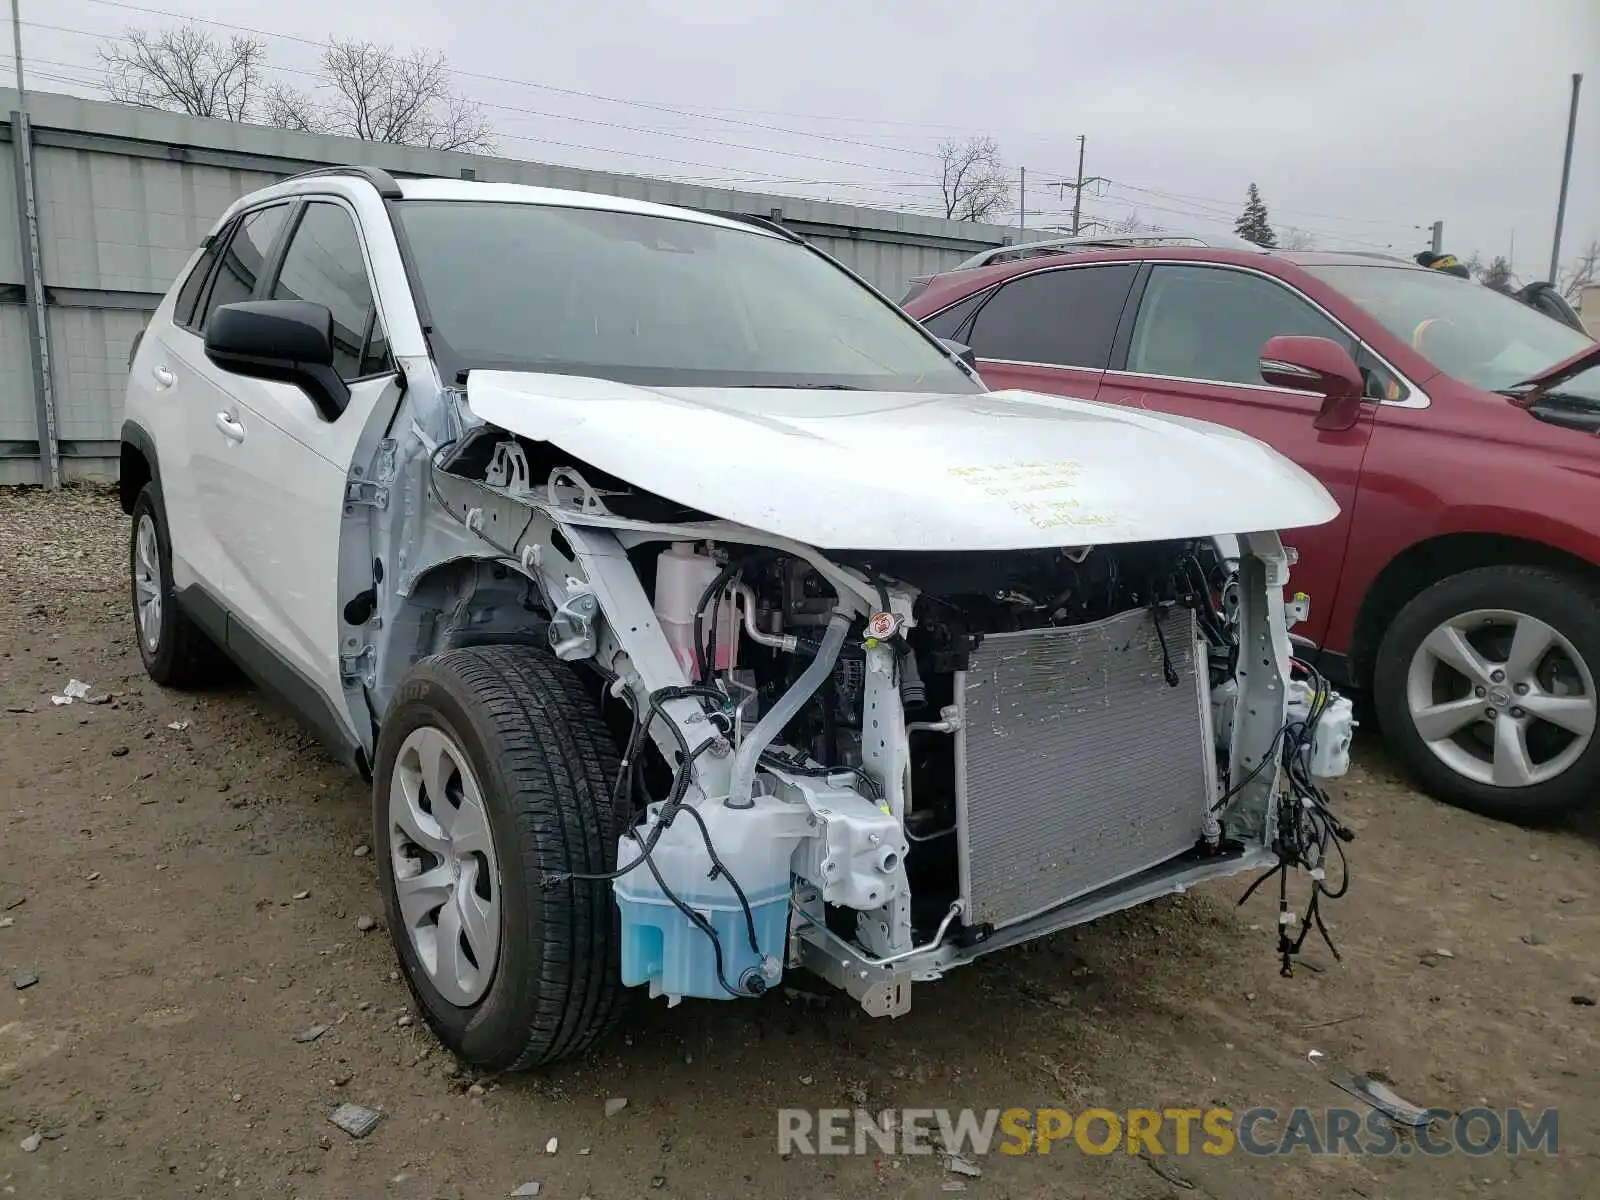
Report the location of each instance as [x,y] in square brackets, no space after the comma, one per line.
[186,877]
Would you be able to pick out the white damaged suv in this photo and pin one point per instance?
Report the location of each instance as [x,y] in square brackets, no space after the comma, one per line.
[696,614]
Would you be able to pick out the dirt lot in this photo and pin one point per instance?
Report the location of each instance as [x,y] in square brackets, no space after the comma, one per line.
[187,877]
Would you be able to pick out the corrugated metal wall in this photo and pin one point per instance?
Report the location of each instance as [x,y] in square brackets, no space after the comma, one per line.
[125,194]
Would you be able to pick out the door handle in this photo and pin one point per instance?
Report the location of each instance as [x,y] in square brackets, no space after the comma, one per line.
[164,376]
[231,429]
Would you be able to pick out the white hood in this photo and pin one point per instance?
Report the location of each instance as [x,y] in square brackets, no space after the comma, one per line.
[912,471]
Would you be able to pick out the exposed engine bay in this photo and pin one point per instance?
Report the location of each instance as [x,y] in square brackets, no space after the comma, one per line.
[879,764]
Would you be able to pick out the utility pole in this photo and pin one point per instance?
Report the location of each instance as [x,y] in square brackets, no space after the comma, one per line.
[1077,192]
[1566,176]
[33,272]
[1022,197]
[16,47]
[1438,237]
[1077,189]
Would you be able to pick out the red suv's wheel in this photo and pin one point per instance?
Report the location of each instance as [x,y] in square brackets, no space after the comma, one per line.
[1486,686]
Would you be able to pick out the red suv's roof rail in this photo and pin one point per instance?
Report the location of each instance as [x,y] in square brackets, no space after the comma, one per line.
[1220,241]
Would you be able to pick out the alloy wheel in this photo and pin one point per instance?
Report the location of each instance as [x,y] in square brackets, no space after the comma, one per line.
[1502,698]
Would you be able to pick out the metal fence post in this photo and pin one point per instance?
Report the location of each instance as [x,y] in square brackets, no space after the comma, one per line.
[33,295]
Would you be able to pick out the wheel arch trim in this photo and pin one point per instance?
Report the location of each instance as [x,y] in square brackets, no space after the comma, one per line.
[1435,558]
[137,438]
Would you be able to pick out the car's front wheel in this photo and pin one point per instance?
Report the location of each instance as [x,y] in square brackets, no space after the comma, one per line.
[494,771]
[1485,685]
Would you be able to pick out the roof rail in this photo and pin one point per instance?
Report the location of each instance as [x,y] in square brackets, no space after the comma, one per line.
[1220,241]
[1378,254]
[376,176]
[770,224]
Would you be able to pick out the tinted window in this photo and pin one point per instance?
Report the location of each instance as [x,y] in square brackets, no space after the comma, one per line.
[946,323]
[1479,335]
[245,258]
[189,293]
[653,300]
[324,265]
[1379,382]
[1210,323]
[1066,318]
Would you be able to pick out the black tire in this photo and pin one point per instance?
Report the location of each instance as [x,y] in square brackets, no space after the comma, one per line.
[1568,605]
[183,657]
[545,762]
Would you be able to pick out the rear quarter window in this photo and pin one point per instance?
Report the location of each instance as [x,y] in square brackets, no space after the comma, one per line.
[947,323]
[194,284]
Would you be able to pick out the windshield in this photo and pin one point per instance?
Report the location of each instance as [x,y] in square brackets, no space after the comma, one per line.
[1472,332]
[655,301]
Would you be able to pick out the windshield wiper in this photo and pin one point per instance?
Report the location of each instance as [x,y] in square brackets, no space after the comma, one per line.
[805,387]
[1568,400]
[1529,395]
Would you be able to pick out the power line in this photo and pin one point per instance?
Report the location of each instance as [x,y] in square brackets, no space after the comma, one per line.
[676,110]
[1217,200]
[885,188]
[528,83]
[701,113]
[535,112]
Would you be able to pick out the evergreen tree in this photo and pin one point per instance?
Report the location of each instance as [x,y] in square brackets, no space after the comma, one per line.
[1252,223]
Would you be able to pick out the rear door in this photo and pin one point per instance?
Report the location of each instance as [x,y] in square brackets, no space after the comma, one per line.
[1194,348]
[155,400]
[1049,330]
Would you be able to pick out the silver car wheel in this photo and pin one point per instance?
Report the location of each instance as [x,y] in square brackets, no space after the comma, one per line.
[446,876]
[147,582]
[1501,698]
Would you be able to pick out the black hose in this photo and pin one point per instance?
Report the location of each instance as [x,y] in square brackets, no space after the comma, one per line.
[705,649]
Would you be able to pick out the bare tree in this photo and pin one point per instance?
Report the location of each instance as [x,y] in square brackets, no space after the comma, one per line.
[973,183]
[1497,275]
[380,94]
[1584,271]
[185,70]
[364,90]
[1297,239]
[1131,225]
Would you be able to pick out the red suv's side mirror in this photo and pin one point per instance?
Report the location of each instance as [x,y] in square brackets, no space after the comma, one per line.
[1316,364]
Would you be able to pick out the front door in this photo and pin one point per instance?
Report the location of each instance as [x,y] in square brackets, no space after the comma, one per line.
[1195,351]
[286,498]
[198,465]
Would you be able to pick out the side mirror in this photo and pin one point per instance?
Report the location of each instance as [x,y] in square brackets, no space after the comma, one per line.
[1321,366]
[290,341]
[964,353]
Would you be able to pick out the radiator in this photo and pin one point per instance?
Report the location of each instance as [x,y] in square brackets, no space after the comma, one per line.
[1077,763]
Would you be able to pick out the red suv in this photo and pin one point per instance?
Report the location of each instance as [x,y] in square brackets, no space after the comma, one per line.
[1460,583]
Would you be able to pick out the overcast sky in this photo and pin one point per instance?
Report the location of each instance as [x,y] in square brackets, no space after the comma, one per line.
[1362,121]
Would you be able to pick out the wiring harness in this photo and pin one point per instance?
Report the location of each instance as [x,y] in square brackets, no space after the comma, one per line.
[1307,828]
[752,984]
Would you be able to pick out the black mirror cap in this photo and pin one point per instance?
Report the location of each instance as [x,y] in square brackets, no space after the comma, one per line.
[290,341]
[271,331]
